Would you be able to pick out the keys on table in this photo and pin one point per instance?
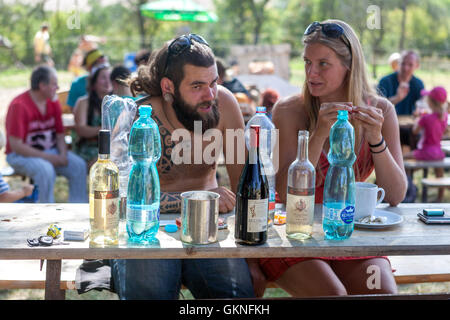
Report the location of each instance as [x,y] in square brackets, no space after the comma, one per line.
[44,241]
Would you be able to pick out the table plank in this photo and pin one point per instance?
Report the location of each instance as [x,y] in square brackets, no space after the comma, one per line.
[412,237]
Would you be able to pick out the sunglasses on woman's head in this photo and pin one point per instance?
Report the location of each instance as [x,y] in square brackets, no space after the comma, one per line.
[180,44]
[331,30]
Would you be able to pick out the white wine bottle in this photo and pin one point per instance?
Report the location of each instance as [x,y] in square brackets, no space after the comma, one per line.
[300,193]
[104,196]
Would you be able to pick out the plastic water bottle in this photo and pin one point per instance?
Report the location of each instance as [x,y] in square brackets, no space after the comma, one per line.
[339,191]
[143,196]
[267,129]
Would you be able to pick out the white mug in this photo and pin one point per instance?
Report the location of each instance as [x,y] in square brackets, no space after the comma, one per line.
[366,195]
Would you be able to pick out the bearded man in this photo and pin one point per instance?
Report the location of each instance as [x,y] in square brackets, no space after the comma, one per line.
[180,83]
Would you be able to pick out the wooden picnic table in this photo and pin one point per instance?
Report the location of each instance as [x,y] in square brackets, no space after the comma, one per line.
[21,221]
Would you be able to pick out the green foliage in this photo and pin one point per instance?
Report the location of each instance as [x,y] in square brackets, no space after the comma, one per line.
[427,26]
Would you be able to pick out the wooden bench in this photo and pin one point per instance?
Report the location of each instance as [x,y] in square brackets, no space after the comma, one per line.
[67,117]
[443,182]
[411,165]
[62,98]
[445,146]
[26,274]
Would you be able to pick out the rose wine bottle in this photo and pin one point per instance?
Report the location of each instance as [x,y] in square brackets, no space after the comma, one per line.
[300,193]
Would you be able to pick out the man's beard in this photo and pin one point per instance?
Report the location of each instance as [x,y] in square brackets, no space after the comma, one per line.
[187,113]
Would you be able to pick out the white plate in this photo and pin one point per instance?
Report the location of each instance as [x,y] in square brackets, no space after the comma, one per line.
[392,219]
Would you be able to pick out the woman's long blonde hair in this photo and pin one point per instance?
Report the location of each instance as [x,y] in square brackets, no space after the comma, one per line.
[359,91]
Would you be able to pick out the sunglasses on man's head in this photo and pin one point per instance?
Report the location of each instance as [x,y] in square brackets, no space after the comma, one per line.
[180,44]
[331,30]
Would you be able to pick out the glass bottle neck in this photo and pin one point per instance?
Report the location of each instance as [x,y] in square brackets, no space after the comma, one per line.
[253,151]
[102,156]
[253,155]
[302,150]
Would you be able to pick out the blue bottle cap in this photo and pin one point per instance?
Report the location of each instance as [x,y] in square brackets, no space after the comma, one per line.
[260,109]
[171,228]
[342,115]
[145,110]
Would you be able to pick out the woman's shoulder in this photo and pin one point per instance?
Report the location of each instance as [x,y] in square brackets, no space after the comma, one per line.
[289,112]
[83,100]
[81,104]
[289,105]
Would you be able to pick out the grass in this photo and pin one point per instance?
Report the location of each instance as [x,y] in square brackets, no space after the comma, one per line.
[19,78]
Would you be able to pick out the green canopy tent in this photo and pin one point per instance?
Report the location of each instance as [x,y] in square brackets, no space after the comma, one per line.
[177,10]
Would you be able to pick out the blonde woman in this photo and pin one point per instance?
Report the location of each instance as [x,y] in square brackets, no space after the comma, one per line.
[335,73]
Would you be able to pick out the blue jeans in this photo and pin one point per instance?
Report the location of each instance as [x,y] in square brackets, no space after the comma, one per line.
[162,279]
[44,174]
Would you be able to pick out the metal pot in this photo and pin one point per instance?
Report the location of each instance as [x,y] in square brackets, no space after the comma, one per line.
[199,217]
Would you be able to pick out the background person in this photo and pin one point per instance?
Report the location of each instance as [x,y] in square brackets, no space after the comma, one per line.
[142,57]
[394,61]
[120,75]
[88,114]
[403,89]
[7,195]
[78,88]
[42,49]
[87,43]
[269,98]
[35,139]
[227,80]
[433,126]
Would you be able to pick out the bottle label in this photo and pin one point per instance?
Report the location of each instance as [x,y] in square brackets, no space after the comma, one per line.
[272,200]
[106,209]
[299,209]
[257,215]
[345,215]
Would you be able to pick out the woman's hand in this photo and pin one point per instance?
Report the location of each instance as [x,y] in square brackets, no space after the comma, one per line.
[328,116]
[371,119]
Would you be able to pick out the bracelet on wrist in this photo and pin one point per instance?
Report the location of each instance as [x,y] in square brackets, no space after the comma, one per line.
[378,144]
[385,147]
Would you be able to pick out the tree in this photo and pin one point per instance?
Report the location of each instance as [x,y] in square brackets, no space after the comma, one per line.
[145,25]
[247,16]
[257,8]
[401,44]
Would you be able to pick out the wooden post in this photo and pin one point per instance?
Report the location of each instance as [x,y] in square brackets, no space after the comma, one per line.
[424,187]
[53,281]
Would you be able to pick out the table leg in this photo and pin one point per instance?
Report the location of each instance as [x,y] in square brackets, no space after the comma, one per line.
[53,281]
[424,188]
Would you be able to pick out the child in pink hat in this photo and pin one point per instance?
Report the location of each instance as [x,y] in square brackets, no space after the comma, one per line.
[433,126]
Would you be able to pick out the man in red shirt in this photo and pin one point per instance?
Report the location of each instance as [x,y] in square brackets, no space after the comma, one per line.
[35,139]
